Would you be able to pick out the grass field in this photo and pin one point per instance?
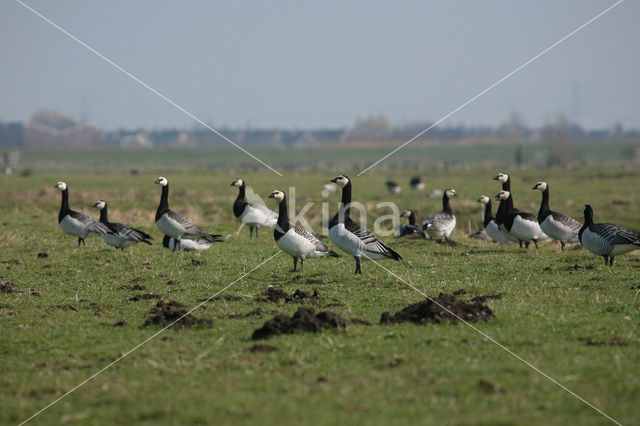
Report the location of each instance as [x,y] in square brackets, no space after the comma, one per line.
[579,324]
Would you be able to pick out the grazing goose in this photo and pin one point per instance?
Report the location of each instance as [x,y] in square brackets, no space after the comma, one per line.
[441,224]
[184,245]
[489,223]
[122,235]
[417,183]
[254,214]
[393,187]
[351,237]
[606,239]
[556,225]
[519,223]
[76,223]
[296,242]
[411,228]
[174,224]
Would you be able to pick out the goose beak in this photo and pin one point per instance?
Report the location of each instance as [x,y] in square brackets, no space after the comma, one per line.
[495,178]
[156,181]
[535,187]
[271,195]
[498,197]
[334,180]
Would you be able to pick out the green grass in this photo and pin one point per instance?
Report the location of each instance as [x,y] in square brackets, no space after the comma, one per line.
[334,157]
[579,326]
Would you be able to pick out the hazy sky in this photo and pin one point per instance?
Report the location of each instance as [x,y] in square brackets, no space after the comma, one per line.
[320,64]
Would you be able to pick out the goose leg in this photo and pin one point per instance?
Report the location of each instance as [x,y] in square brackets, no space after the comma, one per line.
[295,264]
[611,261]
[79,241]
[521,244]
[606,259]
[301,264]
[257,228]
[358,268]
[251,232]
[562,245]
[536,243]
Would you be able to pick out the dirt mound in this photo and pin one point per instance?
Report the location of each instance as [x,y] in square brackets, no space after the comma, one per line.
[6,287]
[165,313]
[147,296]
[43,255]
[173,282]
[304,320]
[262,348]
[577,267]
[431,311]
[274,295]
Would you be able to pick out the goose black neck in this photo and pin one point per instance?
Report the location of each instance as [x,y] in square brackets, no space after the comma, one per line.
[506,186]
[163,207]
[240,203]
[283,218]
[487,214]
[544,206]
[346,199]
[445,204]
[509,204]
[412,218]
[588,217]
[104,215]
[64,205]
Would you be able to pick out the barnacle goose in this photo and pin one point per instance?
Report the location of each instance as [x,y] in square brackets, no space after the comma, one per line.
[254,214]
[351,237]
[174,224]
[417,183]
[393,187]
[441,224]
[411,228]
[296,242]
[122,235]
[519,223]
[505,179]
[556,225]
[606,239]
[76,223]
[489,223]
[171,244]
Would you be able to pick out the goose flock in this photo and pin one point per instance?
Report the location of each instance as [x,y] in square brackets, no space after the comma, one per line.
[510,224]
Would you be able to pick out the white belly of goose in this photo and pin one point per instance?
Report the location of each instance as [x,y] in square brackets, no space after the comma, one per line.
[296,245]
[559,231]
[255,216]
[494,232]
[526,230]
[73,226]
[170,227]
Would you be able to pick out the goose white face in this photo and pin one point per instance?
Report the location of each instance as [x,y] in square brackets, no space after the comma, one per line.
[502,195]
[341,180]
[451,193]
[162,181]
[483,199]
[405,213]
[502,177]
[61,186]
[237,182]
[100,204]
[277,194]
[540,186]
